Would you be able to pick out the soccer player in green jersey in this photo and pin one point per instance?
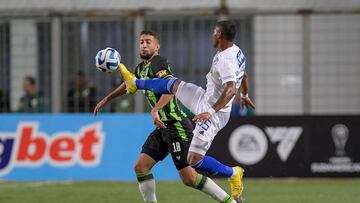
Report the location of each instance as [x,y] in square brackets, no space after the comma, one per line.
[211,106]
[173,134]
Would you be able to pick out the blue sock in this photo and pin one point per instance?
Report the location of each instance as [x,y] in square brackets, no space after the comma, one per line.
[157,85]
[214,167]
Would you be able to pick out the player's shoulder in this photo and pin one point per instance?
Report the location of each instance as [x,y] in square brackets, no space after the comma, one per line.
[159,61]
[232,51]
[231,55]
[161,67]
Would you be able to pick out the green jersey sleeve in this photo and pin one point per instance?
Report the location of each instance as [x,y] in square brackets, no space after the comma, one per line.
[161,67]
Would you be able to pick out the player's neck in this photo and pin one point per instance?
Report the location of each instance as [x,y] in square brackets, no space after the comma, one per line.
[224,45]
[148,60]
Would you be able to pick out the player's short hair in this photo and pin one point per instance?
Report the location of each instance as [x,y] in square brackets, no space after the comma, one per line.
[30,79]
[152,33]
[227,29]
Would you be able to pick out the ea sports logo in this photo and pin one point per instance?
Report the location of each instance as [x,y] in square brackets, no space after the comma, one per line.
[248,144]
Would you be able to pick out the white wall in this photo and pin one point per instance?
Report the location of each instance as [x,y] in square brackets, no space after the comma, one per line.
[278,64]
[334,64]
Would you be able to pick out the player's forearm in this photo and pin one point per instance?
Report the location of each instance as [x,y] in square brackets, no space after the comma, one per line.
[228,93]
[164,99]
[120,90]
[244,88]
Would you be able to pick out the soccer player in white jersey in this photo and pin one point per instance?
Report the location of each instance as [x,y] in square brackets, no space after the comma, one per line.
[212,106]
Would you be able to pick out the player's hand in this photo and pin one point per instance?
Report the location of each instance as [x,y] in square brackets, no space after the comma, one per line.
[202,117]
[246,102]
[99,105]
[156,119]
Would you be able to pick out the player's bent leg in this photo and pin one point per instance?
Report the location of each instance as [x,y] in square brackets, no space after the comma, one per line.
[144,163]
[192,179]
[142,168]
[210,165]
[158,85]
[188,176]
[214,167]
[190,95]
[199,146]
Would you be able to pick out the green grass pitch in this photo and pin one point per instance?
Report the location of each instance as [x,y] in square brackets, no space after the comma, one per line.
[256,191]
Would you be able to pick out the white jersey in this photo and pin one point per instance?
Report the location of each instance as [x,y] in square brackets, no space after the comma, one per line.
[227,65]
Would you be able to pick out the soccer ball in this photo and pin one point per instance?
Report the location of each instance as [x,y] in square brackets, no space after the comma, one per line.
[107,60]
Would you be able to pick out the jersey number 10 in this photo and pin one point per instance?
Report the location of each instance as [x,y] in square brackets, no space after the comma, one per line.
[176,146]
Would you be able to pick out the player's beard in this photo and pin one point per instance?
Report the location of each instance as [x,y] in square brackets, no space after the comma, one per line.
[146,56]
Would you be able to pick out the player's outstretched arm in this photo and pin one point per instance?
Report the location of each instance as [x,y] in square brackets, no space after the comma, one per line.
[120,90]
[164,99]
[228,93]
[243,93]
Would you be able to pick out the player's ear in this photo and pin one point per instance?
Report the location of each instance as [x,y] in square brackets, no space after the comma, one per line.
[219,35]
[157,47]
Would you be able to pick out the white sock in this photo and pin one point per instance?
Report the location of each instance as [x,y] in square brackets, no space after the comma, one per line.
[209,187]
[147,188]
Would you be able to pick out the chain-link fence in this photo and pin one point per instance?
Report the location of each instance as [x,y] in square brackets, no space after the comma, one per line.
[81,40]
[185,41]
[298,63]
[4,66]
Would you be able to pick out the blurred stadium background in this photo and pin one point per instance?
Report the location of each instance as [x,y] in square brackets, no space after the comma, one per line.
[303,59]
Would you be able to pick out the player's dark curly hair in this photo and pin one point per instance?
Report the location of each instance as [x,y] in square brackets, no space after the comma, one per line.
[227,29]
[152,33]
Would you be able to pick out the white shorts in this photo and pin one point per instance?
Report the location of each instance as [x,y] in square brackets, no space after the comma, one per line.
[192,97]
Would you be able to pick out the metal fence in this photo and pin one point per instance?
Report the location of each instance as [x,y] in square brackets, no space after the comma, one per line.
[185,41]
[81,40]
[44,60]
[4,66]
[287,58]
